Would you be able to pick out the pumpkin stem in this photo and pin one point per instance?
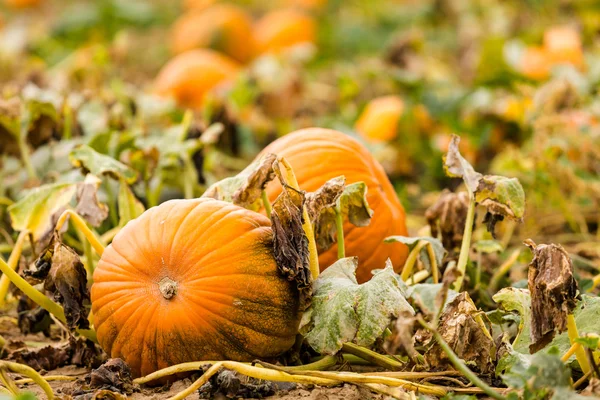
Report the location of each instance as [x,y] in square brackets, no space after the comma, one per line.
[13,260]
[82,227]
[290,177]
[167,287]
[339,227]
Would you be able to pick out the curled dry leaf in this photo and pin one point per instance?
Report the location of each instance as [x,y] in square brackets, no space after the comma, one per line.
[77,351]
[501,196]
[232,385]
[32,319]
[90,161]
[88,205]
[553,290]
[290,244]
[344,311]
[469,338]
[245,188]
[447,217]
[332,198]
[114,375]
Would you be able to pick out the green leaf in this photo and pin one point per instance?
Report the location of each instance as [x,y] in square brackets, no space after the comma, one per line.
[411,242]
[587,314]
[344,311]
[129,206]
[424,295]
[89,160]
[590,342]
[34,211]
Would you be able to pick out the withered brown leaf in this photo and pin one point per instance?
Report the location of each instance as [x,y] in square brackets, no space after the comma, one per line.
[113,375]
[447,217]
[554,292]
[465,335]
[290,244]
[88,205]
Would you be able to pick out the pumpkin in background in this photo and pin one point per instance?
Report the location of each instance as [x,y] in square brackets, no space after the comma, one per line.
[379,120]
[281,29]
[193,280]
[317,155]
[197,4]
[189,76]
[563,46]
[18,4]
[535,63]
[222,27]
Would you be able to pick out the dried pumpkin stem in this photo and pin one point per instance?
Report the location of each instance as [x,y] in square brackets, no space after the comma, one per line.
[580,352]
[7,381]
[13,261]
[411,260]
[418,277]
[465,246]
[307,226]
[40,299]
[371,356]
[5,391]
[266,203]
[82,226]
[319,365]
[435,273]
[31,373]
[459,364]
[339,227]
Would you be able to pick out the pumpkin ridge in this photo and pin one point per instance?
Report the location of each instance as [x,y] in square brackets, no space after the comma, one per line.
[118,344]
[98,325]
[141,324]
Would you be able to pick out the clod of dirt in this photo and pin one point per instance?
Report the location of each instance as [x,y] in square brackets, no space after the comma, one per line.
[553,290]
[447,216]
[114,375]
[467,336]
[231,385]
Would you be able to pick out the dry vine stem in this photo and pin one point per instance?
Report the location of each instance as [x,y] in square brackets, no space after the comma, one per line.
[83,228]
[13,261]
[290,177]
[31,373]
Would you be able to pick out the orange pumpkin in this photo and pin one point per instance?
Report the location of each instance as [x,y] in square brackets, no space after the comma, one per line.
[193,280]
[318,155]
[379,120]
[563,46]
[17,4]
[223,27]
[281,29]
[535,63]
[191,75]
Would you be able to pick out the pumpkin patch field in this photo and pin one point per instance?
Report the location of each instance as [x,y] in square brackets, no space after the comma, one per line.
[300,199]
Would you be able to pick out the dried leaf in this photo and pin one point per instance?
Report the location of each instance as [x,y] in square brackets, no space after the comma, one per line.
[553,291]
[447,217]
[351,204]
[344,311]
[411,242]
[77,351]
[34,211]
[114,375]
[32,319]
[245,188]
[467,337]
[290,244]
[89,160]
[233,385]
[402,336]
[88,205]
[129,206]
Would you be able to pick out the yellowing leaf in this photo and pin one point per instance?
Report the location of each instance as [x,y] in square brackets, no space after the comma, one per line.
[89,160]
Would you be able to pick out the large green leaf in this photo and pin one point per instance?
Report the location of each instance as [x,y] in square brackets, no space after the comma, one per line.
[344,311]
[34,211]
[89,160]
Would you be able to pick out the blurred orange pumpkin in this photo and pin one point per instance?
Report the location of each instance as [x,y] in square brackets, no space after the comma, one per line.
[222,27]
[379,120]
[535,63]
[189,76]
[563,46]
[317,155]
[22,3]
[197,4]
[281,29]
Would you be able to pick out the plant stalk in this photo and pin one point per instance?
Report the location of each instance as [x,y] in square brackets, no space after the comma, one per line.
[82,226]
[13,261]
[371,356]
[266,203]
[339,227]
[579,352]
[465,246]
[31,373]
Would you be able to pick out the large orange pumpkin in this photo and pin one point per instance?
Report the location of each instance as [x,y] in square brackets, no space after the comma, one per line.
[193,280]
[281,29]
[191,75]
[379,120]
[223,27]
[318,155]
